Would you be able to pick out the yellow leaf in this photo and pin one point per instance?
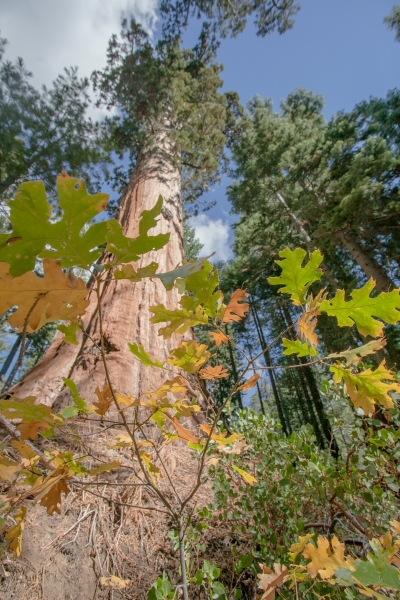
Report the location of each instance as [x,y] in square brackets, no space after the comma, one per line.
[189,356]
[250,383]
[111,466]
[235,312]
[246,476]
[355,355]
[299,546]
[14,533]
[395,527]
[115,582]
[324,561]
[221,438]
[213,373]
[175,386]
[29,456]
[105,400]
[44,299]
[218,337]
[9,469]
[367,388]
[152,470]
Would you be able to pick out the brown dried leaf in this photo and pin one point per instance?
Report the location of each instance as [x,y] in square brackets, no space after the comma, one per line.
[183,433]
[250,383]
[218,337]
[49,490]
[8,469]
[213,373]
[270,580]
[31,430]
[235,311]
[306,326]
[105,400]
[14,533]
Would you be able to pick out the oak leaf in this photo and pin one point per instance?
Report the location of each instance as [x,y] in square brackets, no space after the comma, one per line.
[14,533]
[106,467]
[221,438]
[367,388]
[70,332]
[298,347]
[187,269]
[235,312]
[189,356]
[41,300]
[105,400]
[114,582]
[175,386]
[180,320]
[30,216]
[250,383]
[295,278]
[299,546]
[362,309]
[48,490]
[183,433]
[33,416]
[128,272]
[151,468]
[270,580]
[9,469]
[324,561]
[355,355]
[128,250]
[213,373]
[218,337]
[145,358]
[202,289]
[306,326]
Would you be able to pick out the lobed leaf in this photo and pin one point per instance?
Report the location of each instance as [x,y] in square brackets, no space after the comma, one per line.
[41,300]
[235,312]
[296,279]
[32,230]
[367,388]
[362,309]
[298,347]
[189,356]
[145,358]
[188,268]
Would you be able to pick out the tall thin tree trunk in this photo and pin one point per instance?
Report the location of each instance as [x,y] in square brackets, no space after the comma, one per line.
[14,370]
[367,264]
[268,363]
[125,305]
[329,276]
[10,356]
[234,369]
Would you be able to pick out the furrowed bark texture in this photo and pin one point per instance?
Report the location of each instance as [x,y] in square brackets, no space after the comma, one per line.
[125,305]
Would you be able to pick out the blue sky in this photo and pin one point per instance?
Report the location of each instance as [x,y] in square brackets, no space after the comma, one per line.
[338,48]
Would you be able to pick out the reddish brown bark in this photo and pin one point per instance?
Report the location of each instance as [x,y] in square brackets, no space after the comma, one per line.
[125,305]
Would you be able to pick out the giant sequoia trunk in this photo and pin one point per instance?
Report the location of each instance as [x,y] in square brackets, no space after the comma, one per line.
[125,305]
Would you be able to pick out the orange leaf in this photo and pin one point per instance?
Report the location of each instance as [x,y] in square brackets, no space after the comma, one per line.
[218,337]
[49,490]
[235,311]
[184,434]
[31,430]
[250,383]
[212,373]
[105,400]
[306,326]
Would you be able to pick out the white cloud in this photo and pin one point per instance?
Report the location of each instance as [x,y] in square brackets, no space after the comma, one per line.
[52,34]
[214,235]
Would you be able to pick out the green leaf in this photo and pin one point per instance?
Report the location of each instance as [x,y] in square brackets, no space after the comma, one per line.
[355,355]
[298,347]
[111,466]
[244,561]
[218,591]
[128,272]
[295,278]
[30,213]
[70,332]
[69,411]
[202,287]
[367,388]
[33,416]
[344,576]
[182,272]
[189,356]
[143,356]
[79,401]
[127,249]
[362,309]
[180,320]
[386,576]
